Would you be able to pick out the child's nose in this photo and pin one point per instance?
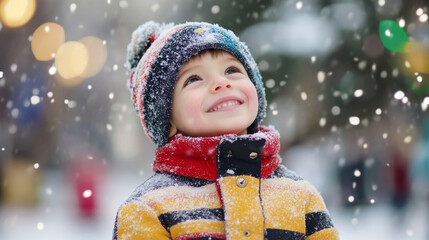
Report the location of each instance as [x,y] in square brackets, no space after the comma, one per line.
[220,83]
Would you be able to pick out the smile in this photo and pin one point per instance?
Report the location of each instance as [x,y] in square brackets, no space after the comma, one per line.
[228,105]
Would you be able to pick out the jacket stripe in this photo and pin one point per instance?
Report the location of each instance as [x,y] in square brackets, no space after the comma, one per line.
[317,221]
[172,218]
[282,172]
[162,180]
[184,203]
[206,238]
[278,234]
[115,229]
[198,228]
[327,233]
[202,236]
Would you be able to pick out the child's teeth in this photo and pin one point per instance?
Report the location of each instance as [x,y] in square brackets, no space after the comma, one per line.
[225,104]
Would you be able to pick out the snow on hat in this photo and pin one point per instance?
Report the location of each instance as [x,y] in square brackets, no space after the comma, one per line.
[155,55]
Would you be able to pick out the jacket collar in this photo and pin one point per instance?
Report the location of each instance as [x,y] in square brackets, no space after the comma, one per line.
[196,156]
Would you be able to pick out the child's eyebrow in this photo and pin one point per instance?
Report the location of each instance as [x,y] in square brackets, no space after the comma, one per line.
[232,59]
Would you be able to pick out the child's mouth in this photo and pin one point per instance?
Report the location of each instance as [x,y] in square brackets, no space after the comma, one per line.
[225,105]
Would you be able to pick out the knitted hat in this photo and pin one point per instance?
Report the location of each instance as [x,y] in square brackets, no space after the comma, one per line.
[156,54]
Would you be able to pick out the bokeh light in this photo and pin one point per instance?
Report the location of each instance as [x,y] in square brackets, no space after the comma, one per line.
[68,82]
[16,13]
[372,46]
[46,40]
[419,87]
[392,35]
[349,15]
[388,8]
[417,54]
[97,54]
[71,59]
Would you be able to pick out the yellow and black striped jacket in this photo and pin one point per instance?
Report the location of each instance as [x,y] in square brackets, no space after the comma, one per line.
[239,204]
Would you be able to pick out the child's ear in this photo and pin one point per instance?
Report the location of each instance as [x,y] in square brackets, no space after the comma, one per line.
[173,129]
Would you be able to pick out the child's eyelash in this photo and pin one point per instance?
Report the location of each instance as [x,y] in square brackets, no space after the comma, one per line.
[233,68]
[195,77]
[192,77]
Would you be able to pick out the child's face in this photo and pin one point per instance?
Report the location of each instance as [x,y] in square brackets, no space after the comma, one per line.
[213,96]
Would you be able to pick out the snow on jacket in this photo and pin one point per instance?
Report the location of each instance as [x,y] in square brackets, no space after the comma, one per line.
[225,187]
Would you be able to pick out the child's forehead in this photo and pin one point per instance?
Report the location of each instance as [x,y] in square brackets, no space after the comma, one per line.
[212,54]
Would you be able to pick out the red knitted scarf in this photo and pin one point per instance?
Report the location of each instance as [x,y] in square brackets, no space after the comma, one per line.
[196,156]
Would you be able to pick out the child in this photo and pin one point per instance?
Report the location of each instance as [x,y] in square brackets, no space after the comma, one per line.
[200,98]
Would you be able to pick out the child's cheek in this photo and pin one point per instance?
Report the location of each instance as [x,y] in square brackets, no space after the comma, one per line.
[193,109]
[252,96]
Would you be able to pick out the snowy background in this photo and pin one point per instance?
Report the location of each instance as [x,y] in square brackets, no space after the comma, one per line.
[348,94]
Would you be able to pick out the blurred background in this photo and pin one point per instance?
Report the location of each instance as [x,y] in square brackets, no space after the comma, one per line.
[347,84]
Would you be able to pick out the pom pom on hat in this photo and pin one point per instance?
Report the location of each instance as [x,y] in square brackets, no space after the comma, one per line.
[141,40]
[155,56]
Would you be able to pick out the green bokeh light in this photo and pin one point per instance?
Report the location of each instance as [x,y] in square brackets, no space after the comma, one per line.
[392,35]
[420,88]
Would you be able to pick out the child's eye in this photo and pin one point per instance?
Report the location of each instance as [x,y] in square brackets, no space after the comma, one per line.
[191,79]
[232,70]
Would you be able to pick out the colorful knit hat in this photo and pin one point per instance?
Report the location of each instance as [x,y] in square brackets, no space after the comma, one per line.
[157,52]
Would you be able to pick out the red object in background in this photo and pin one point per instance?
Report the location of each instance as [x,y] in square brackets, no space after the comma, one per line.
[86,173]
[401,180]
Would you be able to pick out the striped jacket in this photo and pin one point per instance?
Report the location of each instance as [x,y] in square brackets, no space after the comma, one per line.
[243,194]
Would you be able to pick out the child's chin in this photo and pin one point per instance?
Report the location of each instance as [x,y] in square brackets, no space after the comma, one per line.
[216,131]
[238,131]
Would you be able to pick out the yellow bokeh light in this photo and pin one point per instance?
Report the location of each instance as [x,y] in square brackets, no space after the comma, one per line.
[417,55]
[71,59]
[46,40]
[69,82]
[97,54]
[15,13]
